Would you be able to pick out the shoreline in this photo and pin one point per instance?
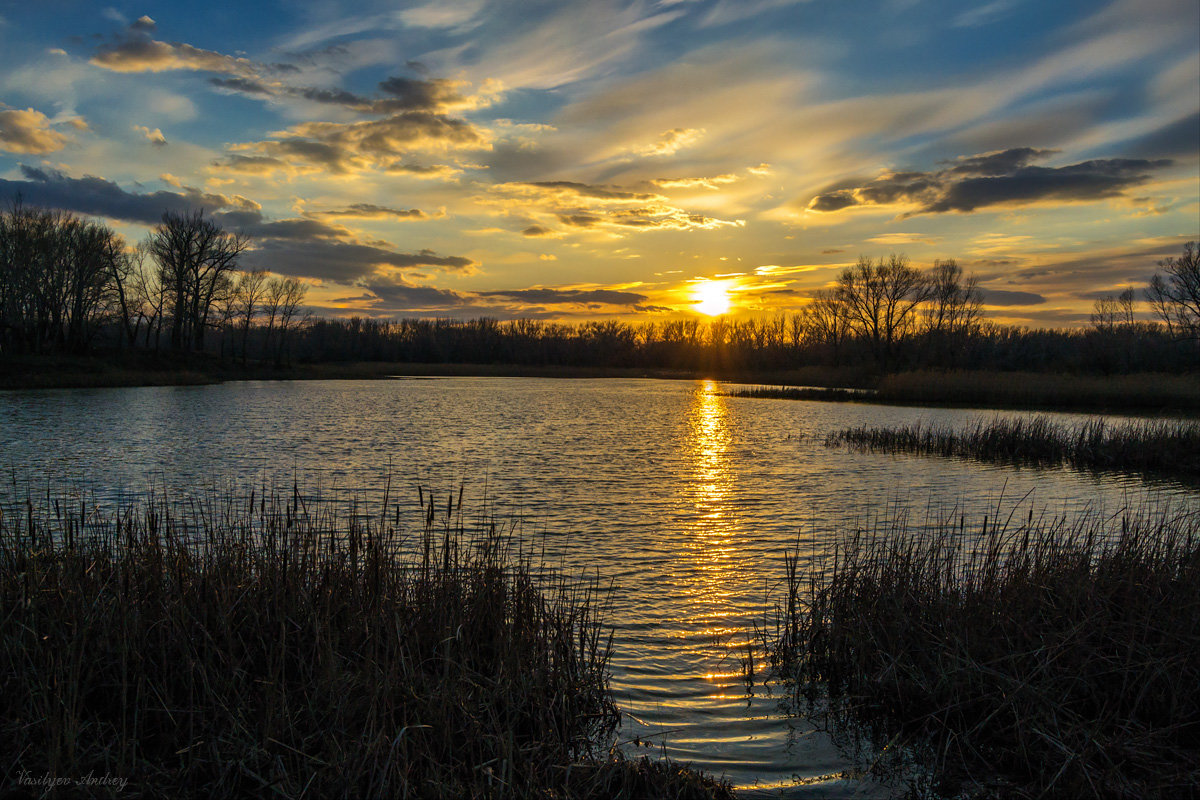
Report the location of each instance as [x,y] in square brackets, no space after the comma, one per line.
[1141,394]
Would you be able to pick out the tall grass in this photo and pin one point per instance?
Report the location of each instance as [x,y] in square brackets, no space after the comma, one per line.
[1051,658]
[1146,446]
[233,648]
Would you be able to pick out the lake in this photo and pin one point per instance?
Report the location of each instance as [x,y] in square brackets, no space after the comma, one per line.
[684,500]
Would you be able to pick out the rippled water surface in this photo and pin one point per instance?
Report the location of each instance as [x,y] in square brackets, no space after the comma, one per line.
[683,498]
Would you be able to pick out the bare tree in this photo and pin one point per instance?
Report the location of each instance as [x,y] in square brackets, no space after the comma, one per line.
[954,303]
[1113,313]
[827,321]
[881,298]
[56,273]
[193,254]
[1175,296]
[284,298]
[250,291]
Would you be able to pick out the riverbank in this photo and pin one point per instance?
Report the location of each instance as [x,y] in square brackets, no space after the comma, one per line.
[1139,393]
[245,646]
[150,369]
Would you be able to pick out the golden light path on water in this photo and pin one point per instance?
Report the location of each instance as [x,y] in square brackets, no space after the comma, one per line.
[712,529]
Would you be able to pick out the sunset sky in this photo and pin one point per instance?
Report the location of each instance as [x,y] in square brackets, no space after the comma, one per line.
[581,160]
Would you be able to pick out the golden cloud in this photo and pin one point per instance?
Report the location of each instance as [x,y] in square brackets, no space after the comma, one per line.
[28,132]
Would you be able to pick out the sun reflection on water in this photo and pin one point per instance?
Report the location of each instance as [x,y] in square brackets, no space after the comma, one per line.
[711,528]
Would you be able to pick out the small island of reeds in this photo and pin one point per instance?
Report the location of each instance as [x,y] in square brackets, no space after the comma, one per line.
[1149,446]
[243,646]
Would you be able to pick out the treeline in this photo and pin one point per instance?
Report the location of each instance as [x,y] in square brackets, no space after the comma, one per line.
[69,284]
[778,343]
[74,285]
[882,315]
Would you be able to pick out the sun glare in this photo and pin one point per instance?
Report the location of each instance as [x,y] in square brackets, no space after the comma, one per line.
[713,298]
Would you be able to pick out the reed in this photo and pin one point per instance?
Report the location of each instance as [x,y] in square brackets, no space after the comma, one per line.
[249,647]
[1053,657]
[1151,446]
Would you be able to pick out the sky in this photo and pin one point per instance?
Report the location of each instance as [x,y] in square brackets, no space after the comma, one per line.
[620,158]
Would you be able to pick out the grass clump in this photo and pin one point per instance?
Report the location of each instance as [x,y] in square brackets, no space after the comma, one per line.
[233,648]
[1054,658]
[1146,446]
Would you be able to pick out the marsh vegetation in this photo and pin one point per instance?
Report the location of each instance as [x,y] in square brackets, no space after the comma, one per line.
[1150,446]
[1047,657]
[244,645]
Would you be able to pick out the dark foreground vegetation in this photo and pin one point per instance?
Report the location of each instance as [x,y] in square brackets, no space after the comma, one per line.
[1050,658]
[236,648]
[1148,446]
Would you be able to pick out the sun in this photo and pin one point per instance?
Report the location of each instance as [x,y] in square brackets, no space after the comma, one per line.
[712,298]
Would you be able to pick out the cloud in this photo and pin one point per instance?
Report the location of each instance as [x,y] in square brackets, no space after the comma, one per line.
[355,146]
[714,182]
[154,136]
[137,52]
[575,189]
[343,261]
[28,132]
[144,24]
[990,179]
[1002,297]
[435,95]
[99,197]
[400,295]
[588,297]
[672,141]
[611,210]
[538,230]
[370,211]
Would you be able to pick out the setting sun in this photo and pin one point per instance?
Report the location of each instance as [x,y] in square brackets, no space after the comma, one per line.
[712,298]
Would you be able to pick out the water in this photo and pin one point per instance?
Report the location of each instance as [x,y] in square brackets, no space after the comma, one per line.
[684,499]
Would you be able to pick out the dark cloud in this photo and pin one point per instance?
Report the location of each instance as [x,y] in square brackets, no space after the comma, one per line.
[580,220]
[341,261]
[831,251]
[1090,180]
[403,296]
[537,230]
[433,95]
[610,297]
[244,85]
[420,94]
[99,197]
[1000,178]
[1002,297]
[1175,140]
[1000,162]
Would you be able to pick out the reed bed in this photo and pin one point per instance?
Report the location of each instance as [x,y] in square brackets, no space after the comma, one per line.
[231,648]
[1153,446]
[1051,658]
